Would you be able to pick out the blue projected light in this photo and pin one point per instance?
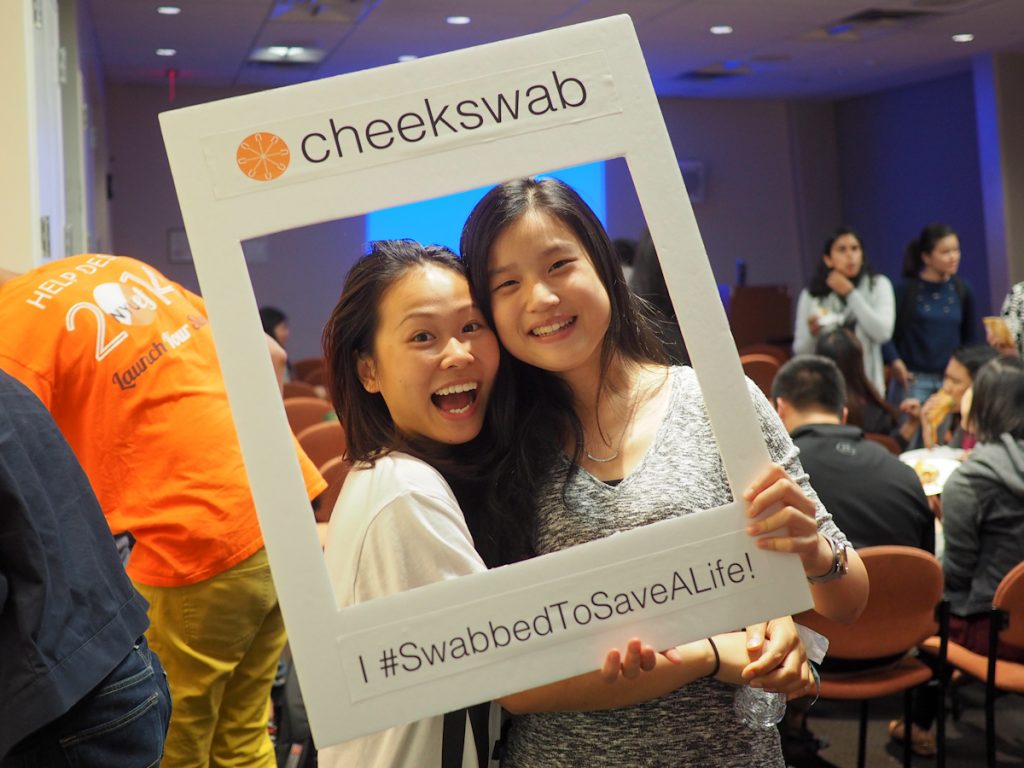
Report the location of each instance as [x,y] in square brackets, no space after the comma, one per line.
[439,221]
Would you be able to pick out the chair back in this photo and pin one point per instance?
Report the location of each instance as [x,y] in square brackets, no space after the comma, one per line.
[780,353]
[304,412]
[334,471]
[1009,598]
[299,389]
[309,370]
[883,440]
[761,370]
[906,586]
[323,441]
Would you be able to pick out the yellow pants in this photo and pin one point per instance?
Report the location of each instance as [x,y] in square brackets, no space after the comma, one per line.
[219,641]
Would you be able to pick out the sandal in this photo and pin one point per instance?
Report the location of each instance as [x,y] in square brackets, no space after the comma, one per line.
[922,742]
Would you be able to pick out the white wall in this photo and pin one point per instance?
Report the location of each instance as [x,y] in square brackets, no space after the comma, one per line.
[771,194]
[303,270]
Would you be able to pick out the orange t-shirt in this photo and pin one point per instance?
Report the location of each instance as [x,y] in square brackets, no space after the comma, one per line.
[124,360]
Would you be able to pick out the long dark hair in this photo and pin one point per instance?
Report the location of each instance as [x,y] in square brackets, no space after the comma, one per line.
[369,429]
[924,243]
[842,346]
[998,403]
[817,286]
[539,419]
[349,335]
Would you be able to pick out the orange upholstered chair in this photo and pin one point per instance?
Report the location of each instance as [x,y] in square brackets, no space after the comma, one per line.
[334,472]
[299,389]
[906,591]
[761,369]
[780,353]
[304,412]
[309,369]
[323,441]
[997,674]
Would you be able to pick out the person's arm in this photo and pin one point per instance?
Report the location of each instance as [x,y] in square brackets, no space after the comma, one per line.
[969,316]
[874,307]
[786,483]
[1013,314]
[803,339]
[841,599]
[279,358]
[777,656]
[591,691]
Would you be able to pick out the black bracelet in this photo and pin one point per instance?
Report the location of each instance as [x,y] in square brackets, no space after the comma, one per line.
[718,659]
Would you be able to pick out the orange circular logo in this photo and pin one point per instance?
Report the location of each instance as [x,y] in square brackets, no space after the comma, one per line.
[263,156]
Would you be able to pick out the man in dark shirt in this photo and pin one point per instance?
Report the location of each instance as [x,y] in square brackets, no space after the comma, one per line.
[873,496]
[80,686]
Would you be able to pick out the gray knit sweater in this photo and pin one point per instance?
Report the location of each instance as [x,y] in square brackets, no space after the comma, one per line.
[681,473]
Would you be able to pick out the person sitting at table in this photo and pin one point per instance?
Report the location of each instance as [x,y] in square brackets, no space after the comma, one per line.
[874,497]
[866,407]
[938,419]
[983,519]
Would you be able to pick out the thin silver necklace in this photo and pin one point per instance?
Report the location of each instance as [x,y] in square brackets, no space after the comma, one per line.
[625,427]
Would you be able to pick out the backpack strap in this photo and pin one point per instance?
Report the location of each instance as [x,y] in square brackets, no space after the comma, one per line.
[453,735]
[453,738]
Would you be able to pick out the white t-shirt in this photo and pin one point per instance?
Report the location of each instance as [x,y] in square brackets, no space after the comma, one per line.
[397,526]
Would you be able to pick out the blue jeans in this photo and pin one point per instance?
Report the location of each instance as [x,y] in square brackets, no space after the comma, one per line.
[121,722]
[924,385]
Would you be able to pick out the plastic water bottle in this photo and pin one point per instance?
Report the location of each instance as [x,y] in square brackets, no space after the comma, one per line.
[759,708]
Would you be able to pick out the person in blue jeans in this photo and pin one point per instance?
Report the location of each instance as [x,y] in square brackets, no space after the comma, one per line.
[80,686]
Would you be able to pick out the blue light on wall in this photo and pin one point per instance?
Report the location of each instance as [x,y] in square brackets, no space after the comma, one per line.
[440,220]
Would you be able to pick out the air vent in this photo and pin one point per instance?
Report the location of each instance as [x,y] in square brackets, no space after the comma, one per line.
[279,64]
[321,11]
[948,6]
[872,23]
[876,17]
[717,72]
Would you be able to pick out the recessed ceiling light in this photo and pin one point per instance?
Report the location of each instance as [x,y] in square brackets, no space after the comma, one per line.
[169,10]
[721,29]
[458,19]
[965,37]
[287,54]
[287,51]
[408,57]
[166,52]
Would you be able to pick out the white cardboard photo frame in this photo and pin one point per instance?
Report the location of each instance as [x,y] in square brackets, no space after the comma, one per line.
[374,139]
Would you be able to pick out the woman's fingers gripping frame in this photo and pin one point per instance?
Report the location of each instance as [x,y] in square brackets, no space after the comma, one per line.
[638,658]
[782,509]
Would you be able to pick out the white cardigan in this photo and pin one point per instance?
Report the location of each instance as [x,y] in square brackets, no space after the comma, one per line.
[871,304]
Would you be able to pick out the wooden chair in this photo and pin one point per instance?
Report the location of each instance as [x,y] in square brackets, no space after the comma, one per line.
[883,440]
[304,412]
[902,610]
[334,471]
[323,441]
[997,674]
[760,313]
[760,369]
[780,353]
[309,370]
[298,388]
